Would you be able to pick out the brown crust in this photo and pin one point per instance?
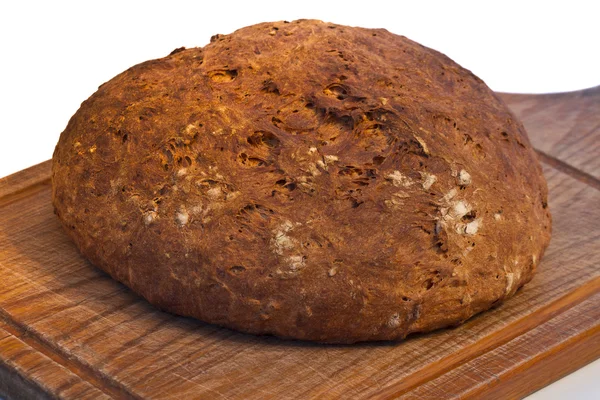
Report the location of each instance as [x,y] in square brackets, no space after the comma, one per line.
[306,180]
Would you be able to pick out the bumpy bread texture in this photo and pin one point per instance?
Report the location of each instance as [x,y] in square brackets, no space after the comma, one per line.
[306,180]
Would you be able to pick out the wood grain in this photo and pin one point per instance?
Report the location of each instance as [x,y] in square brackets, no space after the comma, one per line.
[565,126]
[524,365]
[26,367]
[84,333]
[26,179]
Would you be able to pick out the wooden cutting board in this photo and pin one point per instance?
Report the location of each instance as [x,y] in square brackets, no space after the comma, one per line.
[67,330]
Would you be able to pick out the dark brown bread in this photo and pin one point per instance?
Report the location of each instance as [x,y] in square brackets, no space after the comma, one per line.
[306,180]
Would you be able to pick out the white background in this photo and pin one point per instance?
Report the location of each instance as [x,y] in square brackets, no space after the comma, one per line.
[54,54]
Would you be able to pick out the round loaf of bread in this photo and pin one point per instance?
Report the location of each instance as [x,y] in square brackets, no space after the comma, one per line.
[306,180]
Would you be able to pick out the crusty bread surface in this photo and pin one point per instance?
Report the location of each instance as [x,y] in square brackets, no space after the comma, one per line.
[306,180]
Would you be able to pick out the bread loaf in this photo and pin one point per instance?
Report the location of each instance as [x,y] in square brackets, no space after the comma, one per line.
[306,180]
